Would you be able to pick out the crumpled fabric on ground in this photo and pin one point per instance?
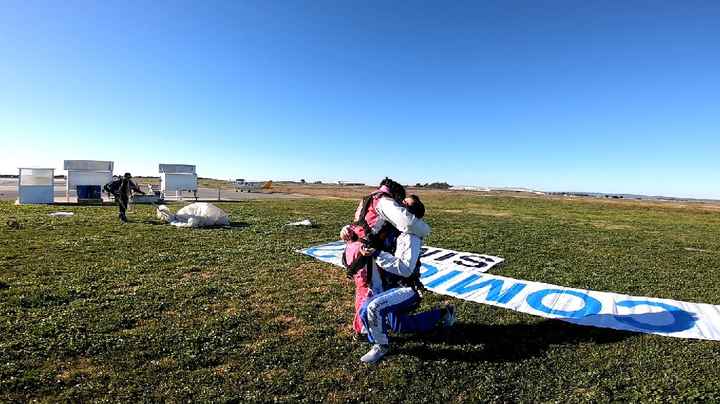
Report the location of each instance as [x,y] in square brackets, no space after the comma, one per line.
[199,214]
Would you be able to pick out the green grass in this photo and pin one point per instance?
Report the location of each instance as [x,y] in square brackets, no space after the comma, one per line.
[94,310]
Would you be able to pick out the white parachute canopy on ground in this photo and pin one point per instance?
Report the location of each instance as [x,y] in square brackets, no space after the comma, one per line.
[199,214]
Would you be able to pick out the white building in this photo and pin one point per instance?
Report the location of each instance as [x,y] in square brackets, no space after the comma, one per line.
[176,178]
[35,185]
[87,172]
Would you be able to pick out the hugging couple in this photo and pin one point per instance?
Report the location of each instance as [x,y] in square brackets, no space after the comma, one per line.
[382,256]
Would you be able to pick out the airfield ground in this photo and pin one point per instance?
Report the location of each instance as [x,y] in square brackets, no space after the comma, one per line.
[208,190]
[94,310]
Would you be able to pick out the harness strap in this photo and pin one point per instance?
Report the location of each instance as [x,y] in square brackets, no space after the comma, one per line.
[367,202]
[412,281]
[353,268]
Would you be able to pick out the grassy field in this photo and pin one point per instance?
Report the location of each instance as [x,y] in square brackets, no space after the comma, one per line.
[94,310]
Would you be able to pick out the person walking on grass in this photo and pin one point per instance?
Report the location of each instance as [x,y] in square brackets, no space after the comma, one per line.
[122,189]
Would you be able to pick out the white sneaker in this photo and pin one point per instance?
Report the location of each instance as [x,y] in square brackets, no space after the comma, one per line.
[375,353]
[448,319]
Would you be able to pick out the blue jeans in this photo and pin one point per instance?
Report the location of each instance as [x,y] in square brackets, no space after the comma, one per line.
[391,309]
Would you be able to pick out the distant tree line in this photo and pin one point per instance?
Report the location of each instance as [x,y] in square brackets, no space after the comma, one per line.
[434,185]
[61,177]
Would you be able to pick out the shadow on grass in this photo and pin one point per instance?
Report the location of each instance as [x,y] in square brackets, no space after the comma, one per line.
[471,342]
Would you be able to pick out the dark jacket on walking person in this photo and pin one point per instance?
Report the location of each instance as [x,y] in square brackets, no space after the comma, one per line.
[122,189]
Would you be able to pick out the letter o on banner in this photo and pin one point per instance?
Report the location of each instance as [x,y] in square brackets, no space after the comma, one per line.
[590,304]
[682,320]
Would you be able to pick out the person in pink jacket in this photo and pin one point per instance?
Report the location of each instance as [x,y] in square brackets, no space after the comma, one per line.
[380,209]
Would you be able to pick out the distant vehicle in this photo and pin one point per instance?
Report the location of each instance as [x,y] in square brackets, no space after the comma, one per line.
[247,186]
[350,184]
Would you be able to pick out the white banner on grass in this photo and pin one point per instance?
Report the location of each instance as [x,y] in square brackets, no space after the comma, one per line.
[438,258]
[460,275]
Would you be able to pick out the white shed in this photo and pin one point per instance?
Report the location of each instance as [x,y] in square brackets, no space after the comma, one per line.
[35,185]
[176,178]
[87,172]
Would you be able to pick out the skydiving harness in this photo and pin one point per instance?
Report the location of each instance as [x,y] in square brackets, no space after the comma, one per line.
[362,222]
[115,188]
[384,240]
[390,280]
[387,244]
[367,237]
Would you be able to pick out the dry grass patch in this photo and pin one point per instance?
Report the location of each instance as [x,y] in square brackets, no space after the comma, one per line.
[126,290]
[489,212]
[232,309]
[257,345]
[339,376]
[294,326]
[262,302]
[199,274]
[609,226]
[345,330]
[224,368]
[275,374]
[140,327]
[340,310]
[80,367]
[165,363]
[335,274]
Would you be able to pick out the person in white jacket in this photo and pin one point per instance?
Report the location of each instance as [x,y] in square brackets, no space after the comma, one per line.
[398,215]
[374,218]
[392,299]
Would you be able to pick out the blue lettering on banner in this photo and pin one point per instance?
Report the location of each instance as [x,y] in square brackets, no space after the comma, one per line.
[667,317]
[682,320]
[442,279]
[495,293]
[429,270]
[590,307]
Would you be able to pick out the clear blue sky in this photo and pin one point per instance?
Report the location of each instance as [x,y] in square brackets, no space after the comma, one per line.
[610,96]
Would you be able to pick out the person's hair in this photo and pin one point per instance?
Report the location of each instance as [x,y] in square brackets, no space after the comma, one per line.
[396,190]
[417,208]
[127,175]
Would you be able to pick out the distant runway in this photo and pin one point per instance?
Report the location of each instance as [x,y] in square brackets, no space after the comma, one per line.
[8,192]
